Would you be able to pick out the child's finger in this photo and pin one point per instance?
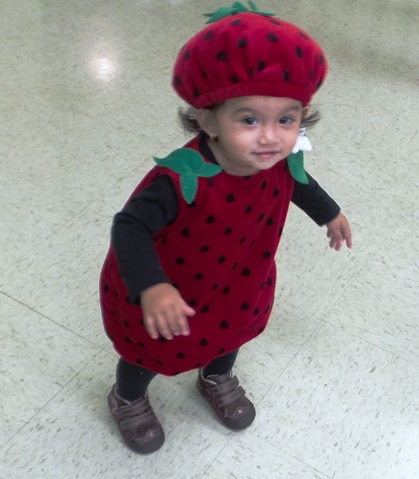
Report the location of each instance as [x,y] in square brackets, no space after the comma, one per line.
[150,326]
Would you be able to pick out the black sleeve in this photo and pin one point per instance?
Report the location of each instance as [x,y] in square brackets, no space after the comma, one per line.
[132,235]
[314,201]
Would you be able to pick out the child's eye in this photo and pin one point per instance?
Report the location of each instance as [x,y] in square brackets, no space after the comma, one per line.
[286,120]
[250,120]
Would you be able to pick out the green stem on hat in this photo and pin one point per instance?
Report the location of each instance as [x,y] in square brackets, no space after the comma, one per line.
[236,7]
[296,166]
[190,165]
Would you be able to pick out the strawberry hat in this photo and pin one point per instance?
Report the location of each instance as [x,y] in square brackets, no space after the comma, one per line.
[244,51]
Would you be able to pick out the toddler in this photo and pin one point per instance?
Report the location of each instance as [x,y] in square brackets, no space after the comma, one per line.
[190,274]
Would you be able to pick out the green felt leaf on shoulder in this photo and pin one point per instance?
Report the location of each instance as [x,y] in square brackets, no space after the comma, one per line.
[296,166]
[189,165]
[236,7]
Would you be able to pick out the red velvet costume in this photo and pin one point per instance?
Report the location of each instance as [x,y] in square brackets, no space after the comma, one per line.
[220,253]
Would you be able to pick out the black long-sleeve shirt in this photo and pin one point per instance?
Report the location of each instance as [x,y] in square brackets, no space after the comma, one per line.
[156,206]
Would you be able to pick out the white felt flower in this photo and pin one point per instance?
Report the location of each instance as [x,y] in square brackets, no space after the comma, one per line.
[303,143]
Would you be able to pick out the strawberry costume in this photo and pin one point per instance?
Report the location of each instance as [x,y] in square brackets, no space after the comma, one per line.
[211,234]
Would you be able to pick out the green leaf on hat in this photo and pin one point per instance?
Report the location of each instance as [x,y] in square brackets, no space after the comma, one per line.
[296,166]
[190,165]
[237,7]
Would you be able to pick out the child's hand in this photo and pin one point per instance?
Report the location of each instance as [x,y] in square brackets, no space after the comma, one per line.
[165,312]
[338,231]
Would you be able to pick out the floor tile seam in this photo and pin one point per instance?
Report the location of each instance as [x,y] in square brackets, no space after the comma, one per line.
[326,476]
[49,401]
[91,343]
[217,455]
[297,352]
[397,355]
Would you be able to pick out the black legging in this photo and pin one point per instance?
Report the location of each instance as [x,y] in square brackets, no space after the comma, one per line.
[132,381]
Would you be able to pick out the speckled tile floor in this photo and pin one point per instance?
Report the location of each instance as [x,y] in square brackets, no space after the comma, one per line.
[85,103]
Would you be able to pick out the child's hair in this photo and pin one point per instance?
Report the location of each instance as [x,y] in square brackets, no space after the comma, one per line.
[189,123]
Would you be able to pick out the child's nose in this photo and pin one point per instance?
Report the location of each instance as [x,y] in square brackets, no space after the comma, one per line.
[269,134]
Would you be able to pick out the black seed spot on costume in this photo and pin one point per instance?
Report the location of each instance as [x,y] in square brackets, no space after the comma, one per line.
[162,340]
[227,231]
[198,365]
[142,345]
[164,240]
[270,282]
[276,192]
[210,182]
[234,79]
[267,308]
[272,37]
[159,362]
[175,285]
[127,339]
[275,22]
[180,355]
[210,219]
[230,198]
[242,239]
[176,373]
[234,265]
[178,81]
[242,43]
[311,75]
[209,35]
[261,66]
[196,92]
[299,52]
[261,329]
[269,222]
[220,351]
[226,290]
[264,184]
[204,249]
[215,287]
[192,303]
[262,286]
[221,259]
[244,306]
[203,342]
[236,22]
[179,260]
[204,75]
[267,254]
[251,331]
[199,276]
[302,34]
[319,84]
[224,324]
[185,232]
[126,324]
[286,75]
[221,56]
[205,309]
[251,72]
[261,216]
[139,361]
[321,59]
[252,243]
[280,231]
[105,288]
[115,292]
[256,311]
[186,55]
[246,272]
[248,209]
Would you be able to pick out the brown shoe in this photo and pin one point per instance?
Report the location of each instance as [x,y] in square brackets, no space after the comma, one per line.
[228,400]
[139,426]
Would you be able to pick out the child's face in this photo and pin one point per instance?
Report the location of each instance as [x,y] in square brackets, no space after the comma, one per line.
[254,133]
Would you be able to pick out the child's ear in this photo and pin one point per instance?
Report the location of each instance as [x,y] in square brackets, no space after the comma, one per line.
[207,123]
[305,112]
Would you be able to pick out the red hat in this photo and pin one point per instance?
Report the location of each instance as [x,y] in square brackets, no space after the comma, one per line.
[245,52]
